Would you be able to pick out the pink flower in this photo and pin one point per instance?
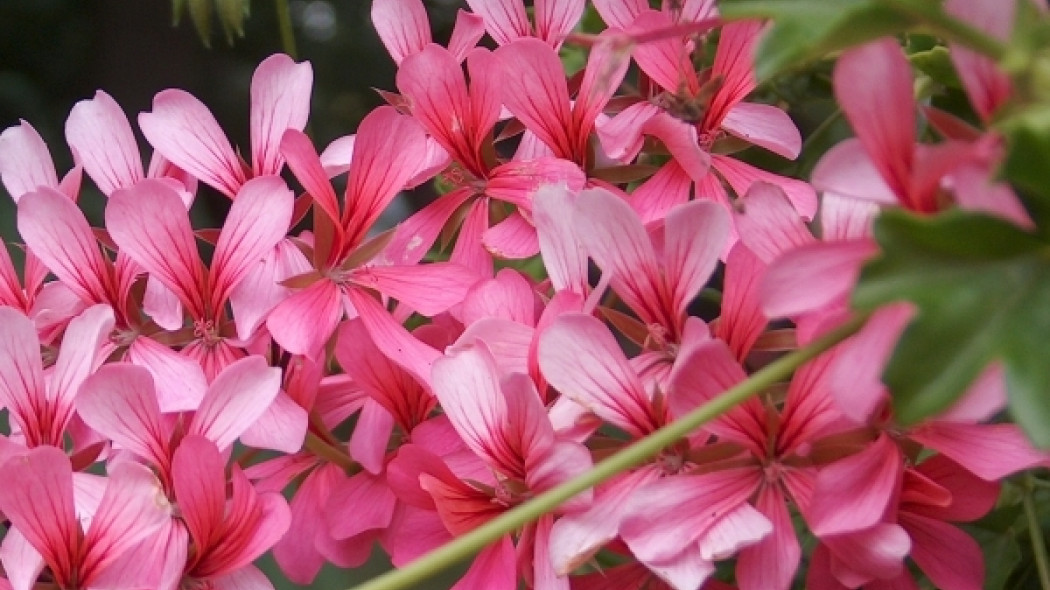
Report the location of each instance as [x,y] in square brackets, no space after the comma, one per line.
[39,500]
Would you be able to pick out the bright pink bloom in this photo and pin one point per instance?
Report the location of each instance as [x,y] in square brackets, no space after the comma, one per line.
[26,165]
[405,30]
[507,21]
[39,499]
[184,131]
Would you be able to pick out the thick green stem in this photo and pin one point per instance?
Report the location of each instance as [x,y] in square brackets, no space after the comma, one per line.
[1035,532]
[284,21]
[322,449]
[632,456]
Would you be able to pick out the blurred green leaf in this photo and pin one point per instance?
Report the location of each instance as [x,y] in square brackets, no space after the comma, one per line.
[1028,150]
[982,289]
[804,30]
[937,64]
[200,13]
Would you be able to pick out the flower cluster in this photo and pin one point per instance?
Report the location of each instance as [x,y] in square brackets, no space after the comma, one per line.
[419,382]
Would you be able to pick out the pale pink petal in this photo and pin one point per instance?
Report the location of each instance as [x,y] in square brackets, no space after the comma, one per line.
[563,461]
[621,136]
[260,291]
[429,289]
[281,427]
[813,277]
[848,170]
[853,493]
[671,186]
[986,84]
[766,126]
[771,563]
[150,223]
[683,508]
[402,25]
[682,141]
[985,397]
[102,141]
[469,248]
[256,222]
[307,167]
[336,157]
[22,388]
[563,254]
[874,86]
[296,553]
[302,323]
[466,33]
[620,13]
[246,578]
[182,129]
[741,321]
[371,436]
[556,18]
[236,399]
[57,232]
[509,341]
[180,381]
[975,190]
[665,60]
[605,69]
[768,225]
[54,305]
[414,236]
[739,528]
[78,357]
[22,563]
[162,304]
[695,236]
[517,182]
[358,504]
[509,296]
[413,532]
[132,508]
[597,375]
[505,20]
[25,162]
[843,218]
[741,177]
[280,94]
[38,501]
[686,571]
[877,552]
[534,90]
[118,402]
[513,238]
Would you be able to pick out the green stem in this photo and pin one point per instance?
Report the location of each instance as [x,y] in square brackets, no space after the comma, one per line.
[632,456]
[322,449]
[1035,532]
[938,22]
[284,22]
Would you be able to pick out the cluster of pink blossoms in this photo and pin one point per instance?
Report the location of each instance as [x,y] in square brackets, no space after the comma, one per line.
[124,351]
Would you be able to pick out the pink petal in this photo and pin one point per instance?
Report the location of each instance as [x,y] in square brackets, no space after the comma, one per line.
[741,321]
[813,277]
[336,157]
[598,375]
[22,388]
[150,223]
[393,339]
[741,527]
[402,25]
[22,563]
[505,20]
[162,305]
[605,69]
[78,357]
[513,238]
[371,437]
[25,162]
[468,30]
[180,381]
[132,508]
[260,290]
[771,563]
[682,141]
[741,177]
[385,139]
[510,342]
[671,186]
[970,496]
[734,63]
[508,296]
[621,136]
[517,182]
[854,493]
[182,129]
[235,400]
[433,82]
[245,578]
[494,568]
[118,402]
[563,255]
[304,322]
[305,164]
[414,236]
[429,289]
[57,232]
[848,170]
[280,101]
[665,60]
[766,126]
[990,451]
[102,141]
[987,86]
[296,553]
[358,504]
[877,552]
[874,86]
[38,501]
[685,571]
[257,221]
[695,235]
[768,224]
[683,508]
[281,427]
[843,218]
[950,557]
[556,18]
[558,463]
[534,90]
[199,475]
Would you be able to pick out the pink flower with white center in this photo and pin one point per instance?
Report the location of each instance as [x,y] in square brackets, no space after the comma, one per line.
[184,131]
[47,531]
[40,405]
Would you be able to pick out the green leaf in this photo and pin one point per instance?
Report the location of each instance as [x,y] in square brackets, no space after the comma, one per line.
[1002,553]
[981,287]
[809,29]
[1028,150]
[937,64]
